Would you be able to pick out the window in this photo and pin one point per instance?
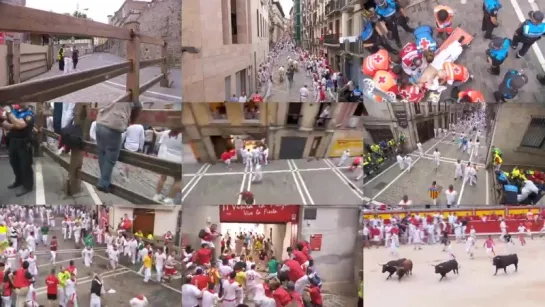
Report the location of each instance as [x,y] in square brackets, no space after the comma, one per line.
[294,113]
[257,21]
[324,116]
[218,111]
[234,29]
[251,111]
[535,134]
[350,27]
[227,87]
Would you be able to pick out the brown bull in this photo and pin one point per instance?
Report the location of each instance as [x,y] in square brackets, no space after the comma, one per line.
[406,268]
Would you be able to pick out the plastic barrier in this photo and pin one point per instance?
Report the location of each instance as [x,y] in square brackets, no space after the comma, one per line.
[472,212]
[492,227]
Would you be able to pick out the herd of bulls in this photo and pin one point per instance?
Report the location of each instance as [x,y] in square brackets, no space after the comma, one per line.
[403,266]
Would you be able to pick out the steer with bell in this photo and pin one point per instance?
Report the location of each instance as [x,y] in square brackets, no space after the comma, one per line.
[445,267]
[503,261]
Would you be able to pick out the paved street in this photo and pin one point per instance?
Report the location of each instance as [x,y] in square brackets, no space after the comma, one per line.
[50,178]
[113,88]
[124,280]
[469,17]
[389,186]
[284,182]
[283,91]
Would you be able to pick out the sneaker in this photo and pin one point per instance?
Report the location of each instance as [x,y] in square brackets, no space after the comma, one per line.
[59,152]
[158,197]
[168,201]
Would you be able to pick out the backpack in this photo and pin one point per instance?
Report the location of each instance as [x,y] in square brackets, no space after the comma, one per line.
[202,233]
[492,5]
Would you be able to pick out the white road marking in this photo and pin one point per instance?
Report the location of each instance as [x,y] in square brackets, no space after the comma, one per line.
[302,182]
[344,179]
[487,187]
[147,92]
[88,279]
[522,17]
[405,170]
[193,182]
[40,188]
[244,176]
[297,185]
[91,189]
[266,172]
[59,261]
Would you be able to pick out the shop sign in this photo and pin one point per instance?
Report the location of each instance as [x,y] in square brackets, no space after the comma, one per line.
[355,146]
[315,242]
[259,213]
[402,119]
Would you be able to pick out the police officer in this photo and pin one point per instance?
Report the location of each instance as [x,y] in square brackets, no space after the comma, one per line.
[497,52]
[372,38]
[389,11]
[490,16]
[512,82]
[19,124]
[528,32]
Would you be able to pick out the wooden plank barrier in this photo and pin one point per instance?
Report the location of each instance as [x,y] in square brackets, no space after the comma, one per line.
[14,18]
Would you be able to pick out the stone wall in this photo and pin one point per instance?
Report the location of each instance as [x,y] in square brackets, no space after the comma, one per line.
[161,19]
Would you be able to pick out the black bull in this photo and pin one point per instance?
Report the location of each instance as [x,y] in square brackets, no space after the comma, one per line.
[502,262]
[400,266]
[445,267]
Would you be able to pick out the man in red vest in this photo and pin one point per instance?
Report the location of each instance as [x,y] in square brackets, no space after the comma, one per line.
[21,281]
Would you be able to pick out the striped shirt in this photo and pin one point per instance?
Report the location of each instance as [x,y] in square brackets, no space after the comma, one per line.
[434,192]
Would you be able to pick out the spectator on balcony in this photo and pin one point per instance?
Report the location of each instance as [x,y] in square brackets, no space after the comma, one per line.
[112,121]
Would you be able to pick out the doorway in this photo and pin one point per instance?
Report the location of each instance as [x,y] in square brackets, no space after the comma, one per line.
[220,144]
[425,130]
[292,147]
[144,220]
[315,144]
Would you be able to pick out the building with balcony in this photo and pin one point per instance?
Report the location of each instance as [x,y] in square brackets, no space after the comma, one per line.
[519,131]
[344,21]
[276,22]
[230,50]
[291,130]
[383,121]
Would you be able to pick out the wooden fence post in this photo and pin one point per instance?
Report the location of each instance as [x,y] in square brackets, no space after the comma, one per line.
[133,55]
[13,61]
[164,66]
[50,55]
[73,184]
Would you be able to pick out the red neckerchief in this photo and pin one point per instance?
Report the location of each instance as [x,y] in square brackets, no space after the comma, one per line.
[211,291]
[173,133]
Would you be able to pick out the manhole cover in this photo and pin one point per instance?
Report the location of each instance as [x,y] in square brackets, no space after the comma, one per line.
[381,185]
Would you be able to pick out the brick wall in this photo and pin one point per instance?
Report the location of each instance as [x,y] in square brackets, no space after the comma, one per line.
[161,19]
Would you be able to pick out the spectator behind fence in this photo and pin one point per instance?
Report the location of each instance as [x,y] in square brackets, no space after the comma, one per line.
[112,121]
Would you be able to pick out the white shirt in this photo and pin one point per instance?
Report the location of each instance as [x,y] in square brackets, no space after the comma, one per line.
[451,196]
[170,148]
[160,259]
[522,229]
[436,155]
[242,99]
[190,295]
[303,92]
[148,135]
[93,131]
[134,137]
[209,299]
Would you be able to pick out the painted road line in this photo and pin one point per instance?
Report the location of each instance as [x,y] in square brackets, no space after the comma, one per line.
[298,185]
[67,251]
[487,186]
[302,182]
[521,16]
[244,176]
[345,180]
[282,171]
[199,173]
[190,186]
[405,170]
[59,261]
[147,92]
[40,189]
[133,271]
[93,193]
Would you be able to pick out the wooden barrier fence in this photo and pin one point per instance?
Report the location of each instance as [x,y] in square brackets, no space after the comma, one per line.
[32,65]
[14,18]
[84,115]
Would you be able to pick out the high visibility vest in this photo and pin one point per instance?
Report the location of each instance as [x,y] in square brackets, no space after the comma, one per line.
[60,55]
[443,24]
[360,290]
[498,160]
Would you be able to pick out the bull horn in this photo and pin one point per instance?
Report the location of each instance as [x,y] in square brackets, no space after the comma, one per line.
[432,264]
[380,264]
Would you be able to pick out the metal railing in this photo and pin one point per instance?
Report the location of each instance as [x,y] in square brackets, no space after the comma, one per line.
[14,18]
[332,39]
[84,115]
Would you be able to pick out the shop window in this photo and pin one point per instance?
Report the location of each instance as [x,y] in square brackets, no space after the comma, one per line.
[251,111]
[218,111]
